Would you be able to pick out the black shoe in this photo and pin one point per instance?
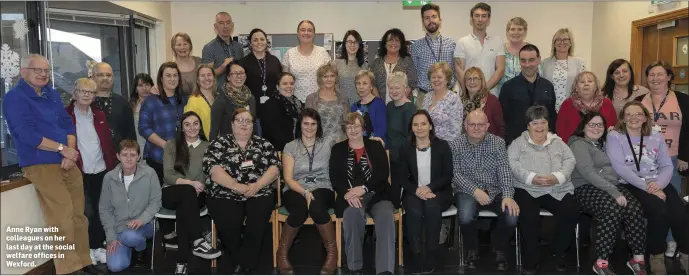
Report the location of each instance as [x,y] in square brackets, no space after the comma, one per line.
[500,261]
[356,272]
[204,250]
[528,271]
[428,269]
[239,270]
[140,259]
[560,263]
[385,273]
[472,257]
[181,269]
[171,243]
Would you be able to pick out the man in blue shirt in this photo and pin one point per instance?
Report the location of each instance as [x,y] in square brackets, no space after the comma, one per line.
[46,144]
[222,50]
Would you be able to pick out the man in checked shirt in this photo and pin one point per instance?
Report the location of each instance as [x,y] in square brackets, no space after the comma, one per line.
[483,181]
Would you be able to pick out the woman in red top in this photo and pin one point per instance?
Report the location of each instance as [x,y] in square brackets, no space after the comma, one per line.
[476,95]
[586,97]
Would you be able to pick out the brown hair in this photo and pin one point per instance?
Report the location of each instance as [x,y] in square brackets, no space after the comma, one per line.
[517,21]
[197,87]
[129,144]
[646,128]
[581,75]
[665,65]
[306,21]
[445,67]
[484,87]
[240,111]
[186,38]
[351,119]
[324,69]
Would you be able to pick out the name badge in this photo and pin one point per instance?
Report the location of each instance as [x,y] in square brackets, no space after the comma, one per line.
[310,180]
[247,164]
[263,99]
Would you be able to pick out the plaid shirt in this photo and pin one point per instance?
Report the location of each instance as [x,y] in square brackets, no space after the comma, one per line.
[159,118]
[216,51]
[426,52]
[484,166]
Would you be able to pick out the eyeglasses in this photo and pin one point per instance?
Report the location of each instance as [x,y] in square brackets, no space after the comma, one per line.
[474,79]
[246,122]
[632,115]
[352,43]
[353,127]
[39,70]
[596,125]
[85,92]
[562,40]
[477,126]
[238,74]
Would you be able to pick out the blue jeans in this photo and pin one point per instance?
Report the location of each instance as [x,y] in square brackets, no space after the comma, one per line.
[468,212]
[120,259]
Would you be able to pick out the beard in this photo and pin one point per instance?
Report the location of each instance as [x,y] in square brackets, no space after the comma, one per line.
[432,28]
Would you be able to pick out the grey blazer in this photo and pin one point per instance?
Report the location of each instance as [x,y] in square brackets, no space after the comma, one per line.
[404,64]
[575,65]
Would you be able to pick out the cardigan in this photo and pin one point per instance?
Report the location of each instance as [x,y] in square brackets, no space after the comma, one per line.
[254,76]
[404,64]
[199,105]
[493,111]
[195,170]
[683,102]
[441,168]
[378,183]
[593,167]
[397,134]
[376,112]
[278,128]
[221,115]
[569,118]
[100,123]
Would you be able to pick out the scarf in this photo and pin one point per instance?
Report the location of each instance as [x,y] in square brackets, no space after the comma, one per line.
[238,97]
[292,105]
[584,108]
[358,173]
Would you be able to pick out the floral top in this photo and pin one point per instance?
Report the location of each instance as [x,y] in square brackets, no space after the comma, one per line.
[332,114]
[560,83]
[244,166]
[446,114]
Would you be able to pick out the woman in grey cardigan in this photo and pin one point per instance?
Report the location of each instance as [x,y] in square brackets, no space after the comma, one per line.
[542,164]
[129,200]
[393,56]
[562,66]
[598,194]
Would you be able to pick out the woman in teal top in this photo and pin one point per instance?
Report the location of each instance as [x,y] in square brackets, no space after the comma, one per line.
[516,34]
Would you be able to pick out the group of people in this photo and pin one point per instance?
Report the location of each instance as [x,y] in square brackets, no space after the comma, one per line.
[358,140]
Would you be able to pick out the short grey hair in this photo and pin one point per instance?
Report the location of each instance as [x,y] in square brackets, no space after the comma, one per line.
[536,112]
[26,61]
[399,77]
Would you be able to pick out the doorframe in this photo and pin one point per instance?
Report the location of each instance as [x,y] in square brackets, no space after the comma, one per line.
[638,26]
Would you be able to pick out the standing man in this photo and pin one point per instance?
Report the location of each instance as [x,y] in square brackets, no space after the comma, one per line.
[478,49]
[523,91]
[430,49]
[220,51]
[117,110]
[46,144]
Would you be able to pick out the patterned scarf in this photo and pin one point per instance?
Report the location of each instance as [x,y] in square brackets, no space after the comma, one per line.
[363,165]
[292,104]
[470,104]
[238,97]
[586,108]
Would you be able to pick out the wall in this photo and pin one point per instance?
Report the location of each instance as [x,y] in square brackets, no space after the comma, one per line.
[20,208]
[372,19]
[612,32]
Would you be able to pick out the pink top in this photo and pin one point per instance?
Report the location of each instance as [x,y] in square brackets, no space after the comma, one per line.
[669,120]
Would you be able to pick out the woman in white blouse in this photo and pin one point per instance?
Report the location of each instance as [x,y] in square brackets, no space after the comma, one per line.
[303,61]
[562,67]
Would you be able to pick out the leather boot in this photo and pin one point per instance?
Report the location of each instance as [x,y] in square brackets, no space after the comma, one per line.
[327,232]
[286,239]
[417,255]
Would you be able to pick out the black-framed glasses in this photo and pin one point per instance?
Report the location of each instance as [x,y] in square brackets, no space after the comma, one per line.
[596,125]
[247,122]
[40,70]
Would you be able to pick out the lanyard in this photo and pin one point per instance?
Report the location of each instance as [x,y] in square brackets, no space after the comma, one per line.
[641,149]
[311,155]
[656,113]
[262,65]
[440,50]
[206,99]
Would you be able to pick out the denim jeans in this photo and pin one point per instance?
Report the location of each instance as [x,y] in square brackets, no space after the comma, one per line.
[130,238]
[468,212]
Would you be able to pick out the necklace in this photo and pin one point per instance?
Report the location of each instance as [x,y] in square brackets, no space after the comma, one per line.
[105,104]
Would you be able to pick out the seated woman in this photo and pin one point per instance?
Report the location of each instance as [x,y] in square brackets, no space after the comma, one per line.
[308,192]
[128,202]
[640,156]
[241,167]
[183,188]
[372,108]
[541,165]
[425,174]
[596,191]
[359,174]
[280,113]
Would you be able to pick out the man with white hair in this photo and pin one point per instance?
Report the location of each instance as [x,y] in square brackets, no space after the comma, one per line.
[46,145]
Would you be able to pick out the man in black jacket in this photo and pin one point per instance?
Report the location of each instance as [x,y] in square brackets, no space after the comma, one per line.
[117,110]
[523,91]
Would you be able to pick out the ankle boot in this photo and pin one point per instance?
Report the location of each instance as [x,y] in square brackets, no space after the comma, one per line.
[417,261]
[286,239]
[327,232]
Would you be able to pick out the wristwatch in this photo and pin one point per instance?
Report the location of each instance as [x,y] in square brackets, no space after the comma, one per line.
[60,147]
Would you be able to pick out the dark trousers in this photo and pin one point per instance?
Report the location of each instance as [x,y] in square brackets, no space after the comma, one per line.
[93,184]
[157,167]
[317,210]
[187,205]
[243,247]
[468,213]
[565,212]
[426,214]
[661,216]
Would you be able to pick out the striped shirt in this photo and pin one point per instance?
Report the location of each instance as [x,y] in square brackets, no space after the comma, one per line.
[484,166]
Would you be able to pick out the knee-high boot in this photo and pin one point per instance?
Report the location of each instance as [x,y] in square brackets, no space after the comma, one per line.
[286,239]
[327,232]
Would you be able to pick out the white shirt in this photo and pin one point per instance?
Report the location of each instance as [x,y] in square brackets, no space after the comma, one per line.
[423,164]
[474,54]
[304,69]
[88,143]
[127,181]
[194,144]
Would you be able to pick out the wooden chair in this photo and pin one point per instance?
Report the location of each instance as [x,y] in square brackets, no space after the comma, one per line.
[280,215]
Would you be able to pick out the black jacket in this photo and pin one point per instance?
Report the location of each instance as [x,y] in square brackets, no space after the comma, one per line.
[278,128]
[441,168]
[378,183]
[221,115]
[517,95]
[254,80]
[121,120]
[683,102]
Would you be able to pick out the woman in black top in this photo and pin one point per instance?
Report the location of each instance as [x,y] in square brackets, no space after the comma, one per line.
[280,113]
[425,173]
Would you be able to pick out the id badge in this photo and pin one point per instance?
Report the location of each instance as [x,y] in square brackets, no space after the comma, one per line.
[263,99]
[309,180]
[656,128]
[246,165]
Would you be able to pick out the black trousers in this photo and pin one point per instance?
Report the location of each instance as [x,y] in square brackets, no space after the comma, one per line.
[157,167]
[317,210]
[565,212]
[242,247]
[93,184]
[661,216]
[426,214]
[187,205]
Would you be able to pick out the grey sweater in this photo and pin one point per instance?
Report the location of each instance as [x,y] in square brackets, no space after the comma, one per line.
[118,206]
[528,159]
[593,166]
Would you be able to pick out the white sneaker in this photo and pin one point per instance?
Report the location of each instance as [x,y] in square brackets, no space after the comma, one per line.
[671,249]
[101,254]
[94,259]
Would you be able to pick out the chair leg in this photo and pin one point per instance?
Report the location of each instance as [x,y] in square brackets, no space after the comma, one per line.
[213,242]
[517,249]
[338,233]
[276,238]
[400,237]
[153,246]
[576,242]
[460,242]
